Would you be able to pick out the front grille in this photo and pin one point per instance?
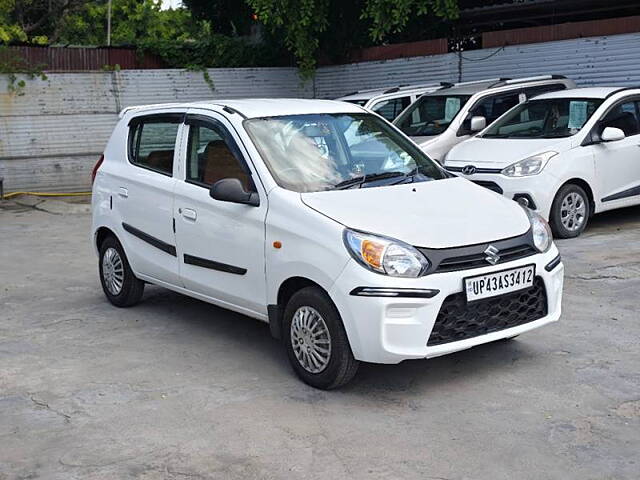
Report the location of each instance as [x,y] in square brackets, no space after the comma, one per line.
[459,320]
[473,256]
[493,186]
[453,264]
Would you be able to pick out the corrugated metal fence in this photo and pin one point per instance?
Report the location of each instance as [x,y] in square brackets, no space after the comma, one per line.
[51,136]
[79,58]
[52,132]
[613,60]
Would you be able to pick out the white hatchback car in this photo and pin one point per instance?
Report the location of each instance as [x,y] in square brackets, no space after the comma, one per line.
[440,120]
[389,102]
[354,247]
[565,154]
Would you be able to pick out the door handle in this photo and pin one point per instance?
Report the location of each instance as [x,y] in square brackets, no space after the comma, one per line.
[123,192]
[189,214]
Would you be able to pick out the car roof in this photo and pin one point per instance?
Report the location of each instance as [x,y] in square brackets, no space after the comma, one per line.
[370,93]
[262,107]
[471,88]
[584,92]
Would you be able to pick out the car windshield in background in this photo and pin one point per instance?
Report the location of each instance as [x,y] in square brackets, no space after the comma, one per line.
[308,153]
[430,114]
[544,118]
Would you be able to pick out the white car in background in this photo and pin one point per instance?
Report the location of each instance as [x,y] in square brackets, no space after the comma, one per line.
[566,154]
[444,118]
[390,101]
[356,248]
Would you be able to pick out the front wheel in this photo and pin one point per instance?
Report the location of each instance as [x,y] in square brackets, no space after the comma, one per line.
[316,342]
[569,212]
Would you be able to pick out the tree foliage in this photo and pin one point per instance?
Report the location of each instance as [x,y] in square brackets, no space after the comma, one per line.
[392,16]
[304,24]
[211,33]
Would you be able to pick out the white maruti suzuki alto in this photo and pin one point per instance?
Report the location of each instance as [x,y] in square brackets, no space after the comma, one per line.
[323,220]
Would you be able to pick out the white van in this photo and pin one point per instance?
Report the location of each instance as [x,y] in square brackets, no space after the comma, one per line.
[353,247]
[442,119]
[566,154]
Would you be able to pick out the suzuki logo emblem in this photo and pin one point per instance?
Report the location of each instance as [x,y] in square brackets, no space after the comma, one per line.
[469,170]
[492,255]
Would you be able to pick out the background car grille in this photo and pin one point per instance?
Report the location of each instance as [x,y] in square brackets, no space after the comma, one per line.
[493,186]
[479,259]
[459,320]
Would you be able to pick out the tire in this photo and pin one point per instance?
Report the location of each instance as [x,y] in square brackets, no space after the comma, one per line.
[324,370]
[569,222]
[130,288]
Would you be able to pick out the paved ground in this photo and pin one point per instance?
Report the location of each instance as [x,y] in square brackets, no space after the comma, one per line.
[177,389]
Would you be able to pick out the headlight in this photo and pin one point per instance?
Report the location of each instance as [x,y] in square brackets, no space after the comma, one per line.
[385,255]
[542,237]
[529,166]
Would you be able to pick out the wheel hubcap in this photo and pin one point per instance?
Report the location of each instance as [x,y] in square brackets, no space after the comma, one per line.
[112,271]
[310,340]
[573,211]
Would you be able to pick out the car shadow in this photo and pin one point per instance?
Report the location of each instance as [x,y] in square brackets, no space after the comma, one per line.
[619,219]
[200,319]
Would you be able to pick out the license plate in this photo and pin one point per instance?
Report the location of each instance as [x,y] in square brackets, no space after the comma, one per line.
[499,283]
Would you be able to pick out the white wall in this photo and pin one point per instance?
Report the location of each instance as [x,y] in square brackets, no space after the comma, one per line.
[52,134]
[53,131]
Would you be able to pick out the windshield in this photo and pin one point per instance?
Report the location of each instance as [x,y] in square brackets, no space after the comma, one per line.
[544,118]
[430,114]
[309,153]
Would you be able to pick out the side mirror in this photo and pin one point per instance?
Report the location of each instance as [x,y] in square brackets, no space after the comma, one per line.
[231,190]
[478,123]
[612,134]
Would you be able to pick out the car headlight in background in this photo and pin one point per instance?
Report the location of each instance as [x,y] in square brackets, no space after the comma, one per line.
[385,255]
[529,166]
[542,237]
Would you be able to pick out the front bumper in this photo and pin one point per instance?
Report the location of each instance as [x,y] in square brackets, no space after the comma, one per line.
[390,330]
[540,188]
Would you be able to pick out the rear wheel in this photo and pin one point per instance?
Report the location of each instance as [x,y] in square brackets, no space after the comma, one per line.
[569,212]
[316,342]
[119,284]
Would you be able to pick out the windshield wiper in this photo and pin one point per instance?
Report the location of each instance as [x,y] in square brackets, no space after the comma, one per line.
[371,177]
[411,174]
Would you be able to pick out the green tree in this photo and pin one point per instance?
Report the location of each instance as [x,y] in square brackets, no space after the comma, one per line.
[133,22]
[311,28]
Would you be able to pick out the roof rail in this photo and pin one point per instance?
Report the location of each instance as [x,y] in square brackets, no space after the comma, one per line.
[130,108]
[472,82]
[515,81]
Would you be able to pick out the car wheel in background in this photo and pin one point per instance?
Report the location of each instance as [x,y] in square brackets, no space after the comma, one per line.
[120,285]
[569,212]
[316,342]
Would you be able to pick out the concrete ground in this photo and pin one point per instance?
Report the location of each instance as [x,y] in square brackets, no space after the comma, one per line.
[175,388]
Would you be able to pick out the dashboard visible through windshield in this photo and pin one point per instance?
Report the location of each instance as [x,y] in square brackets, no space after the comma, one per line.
[545,118]
[307,153]
[431,114]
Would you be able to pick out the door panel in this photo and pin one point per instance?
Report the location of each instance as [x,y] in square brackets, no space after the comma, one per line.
[618,163]
[220,245]
[144,197]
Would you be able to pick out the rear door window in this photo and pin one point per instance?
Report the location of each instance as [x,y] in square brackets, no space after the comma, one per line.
[152,141]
